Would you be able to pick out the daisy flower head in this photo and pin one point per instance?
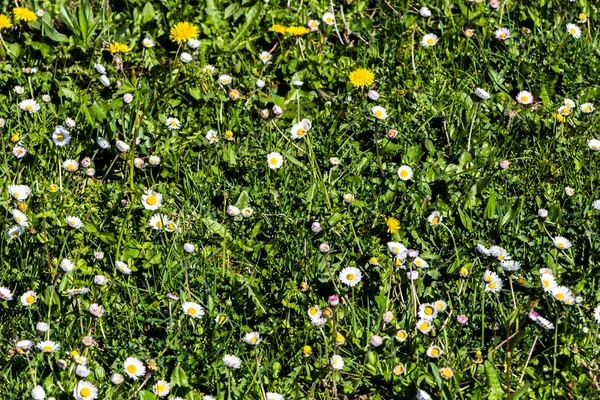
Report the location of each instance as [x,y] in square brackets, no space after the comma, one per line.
[574,30]
[596,205]
[398,370]
[429,40]
[524,97]
[29,105]
[71,165]
[29,298]
[247,212]
[192,309]
[252,338]
[122,267]
[274,160]
[397,249]
[499,253]
[494,286]
[401,336]
[419,262]
[313,25]
[425,12]
[510,265]
[435,218]
[427,311]
[148,43]
[469,32]
[85,391]
[74,222]
[361,77]
[67,265]
[161,388]
[564,111]
[183,31]
[495,4]
[489,276]
[23,346]
[376,341]
[265,56]
[122,146]
[542,212]
[597,313]
[587,108]
[548,282]
[348,198]
[15,232]
[232,361]
[225,79]
[38,393]
[19,192]
[434,351]
[23,14]
[387,317]
[482,94]
[424,326]
[299,130]
[158,221]
[393,225]
[117,379]
[392,134]
[274,396]
[502,34]
[379,112]
[337,362]
[20,217]
[562,243]
[134,368]
[440,305]
[104,80]
[446,373]
[19,151]
[171,226]
[61,136]
[5,293]
[563,294]
[405,172]
[233,211]
[569,191]
[212,136]
[96,310]
[314,312]
[154,160]
[48,346]
[151,200]
[350,276]
[173,123]
[328,18]
[234,94]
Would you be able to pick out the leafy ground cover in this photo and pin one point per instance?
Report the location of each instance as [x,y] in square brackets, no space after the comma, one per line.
[301,200]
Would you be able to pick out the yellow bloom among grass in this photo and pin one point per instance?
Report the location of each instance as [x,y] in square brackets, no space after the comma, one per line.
[297,30]
[393,225]
[24,14]
[278,28]
[117,47]
[361,78]
[183,31]
[5,22]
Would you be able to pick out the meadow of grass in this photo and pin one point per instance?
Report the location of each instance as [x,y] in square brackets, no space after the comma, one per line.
[309,199]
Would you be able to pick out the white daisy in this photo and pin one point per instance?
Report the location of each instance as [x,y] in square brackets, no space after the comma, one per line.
[233,211]
[193,43]
[434,351]
[482,94]
[225,79]
[427,311]
[122,267]
[574,30]
[424,326]
[429,40]
[405,172]
[173,123]
[494,286]
[122,146]
[85,391]
[274,160]
[337,362]
[299,130]
[252,338]
[29,298]
[435,218]
[192,309]
[158,221]
[134,368]
[48,346]
[151,200]
[350,276]
[232,361]
[5,293]
[594,144]
[30,106]
[161,388]
[265,56]
[212,136]
[548,282]
[96,310]
[20,217]
[328,18]
[587,108]
[562,242]
[379,112]
[502,34]
[524,97]
[419,262]
[19,192]
[148,43]
[67,265]
[19,151]
[71,165]
[74,222]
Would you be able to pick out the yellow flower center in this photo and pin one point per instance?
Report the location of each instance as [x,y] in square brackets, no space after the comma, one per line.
[159,224]
[171,225]
[430,41]
[560,296]
[424,326]
[418,263]
[18,219]
[313,311]
[306,349]
[404,173]
[435,220]
[339,338]
[561,245]
[273,161]
[378,114]
[60,136]
[435,352]
[47,348]
[428,311]
[131,369]
[446,373]
[524,99]
[492,285]
[402,335]
[160,388]
[329,20]
[573,31]
[30,299]
[192,311]
[350,277]
[29,107]
[85,392]
[301,132]
[151,200]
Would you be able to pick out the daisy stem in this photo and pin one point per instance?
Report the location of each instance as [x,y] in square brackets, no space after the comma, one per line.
[482,316]
[4,44]
[229,384]
[512,292]
[471,129]
[555,347]
[377,149]
[262,388]
[453,241]
[528,358]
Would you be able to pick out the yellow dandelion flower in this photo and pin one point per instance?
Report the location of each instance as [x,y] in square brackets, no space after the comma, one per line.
[361,78]
[24,14]
[393,225]
[278,28]
[183,31]
[5,22]
[117,47]
[297,30]
[559,117]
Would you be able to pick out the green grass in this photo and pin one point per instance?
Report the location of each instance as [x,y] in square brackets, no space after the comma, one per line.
[264,273]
